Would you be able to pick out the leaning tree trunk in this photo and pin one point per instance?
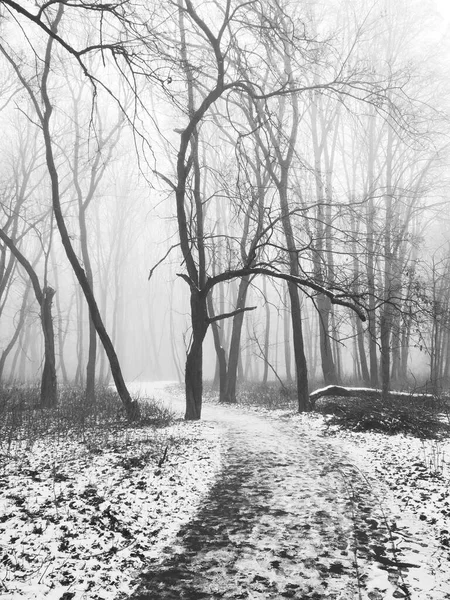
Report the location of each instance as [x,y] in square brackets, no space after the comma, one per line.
[131,407]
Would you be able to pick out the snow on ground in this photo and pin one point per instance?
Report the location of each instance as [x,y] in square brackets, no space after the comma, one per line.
[79,518]
[411,480]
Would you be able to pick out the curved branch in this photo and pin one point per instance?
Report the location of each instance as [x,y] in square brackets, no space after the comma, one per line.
[337,299]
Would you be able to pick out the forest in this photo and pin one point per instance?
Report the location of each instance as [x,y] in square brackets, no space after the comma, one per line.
[247,200]
[262,179]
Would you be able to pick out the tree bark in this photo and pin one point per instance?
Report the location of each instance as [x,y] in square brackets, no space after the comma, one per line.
[370,251]
[49,382]
[287,342]
[235,342]
[194,359]
[220,353]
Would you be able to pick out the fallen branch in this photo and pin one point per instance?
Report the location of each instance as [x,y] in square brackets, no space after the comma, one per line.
[367,393]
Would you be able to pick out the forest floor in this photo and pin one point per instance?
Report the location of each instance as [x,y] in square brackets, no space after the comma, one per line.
[246,503]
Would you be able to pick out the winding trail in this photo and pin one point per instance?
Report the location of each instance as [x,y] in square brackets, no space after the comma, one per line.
[289,517]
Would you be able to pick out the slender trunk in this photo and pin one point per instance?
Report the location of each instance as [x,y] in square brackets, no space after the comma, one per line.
[296,313]
[321,255]
[235,342]
[357,376]
[130,406]
[248,367]
[220,352]
[370,250]
[387,310]
[20,323]
[103,374]
[59,329]
[79,377]
[287,342]
[175,357]
[266,335]
[362,351]
[18,361]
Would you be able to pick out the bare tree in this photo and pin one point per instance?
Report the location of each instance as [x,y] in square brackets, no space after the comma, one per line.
[43,108]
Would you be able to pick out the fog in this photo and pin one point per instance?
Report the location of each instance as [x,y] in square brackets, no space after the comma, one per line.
[215,162]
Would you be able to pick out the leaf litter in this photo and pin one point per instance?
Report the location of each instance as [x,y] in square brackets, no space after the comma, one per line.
[79,520]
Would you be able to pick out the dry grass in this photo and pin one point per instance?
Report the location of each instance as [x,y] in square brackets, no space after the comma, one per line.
[22,424]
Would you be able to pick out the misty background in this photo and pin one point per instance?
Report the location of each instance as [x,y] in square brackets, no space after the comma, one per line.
[362,112]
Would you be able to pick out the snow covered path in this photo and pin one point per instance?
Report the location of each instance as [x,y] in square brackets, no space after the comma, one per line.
[291,516]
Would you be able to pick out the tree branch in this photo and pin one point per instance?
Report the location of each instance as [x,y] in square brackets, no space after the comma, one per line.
[299,281]
[230,314]
[161,260]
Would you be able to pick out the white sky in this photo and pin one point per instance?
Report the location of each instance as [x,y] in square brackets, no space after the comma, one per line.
[443,6]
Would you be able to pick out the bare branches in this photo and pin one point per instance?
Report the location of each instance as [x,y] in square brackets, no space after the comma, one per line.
[161,260]
[335,298]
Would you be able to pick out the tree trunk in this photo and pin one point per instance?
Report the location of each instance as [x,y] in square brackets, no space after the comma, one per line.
[266,335]
[79,376]
[328,365]
[220,353]
[362,351]
[48,382]
[390,286]
[287,343]
[20,323]
[235,342]
[131,407]
[44,299]
[194,359]
[296,313]
[370,250]
[299,350]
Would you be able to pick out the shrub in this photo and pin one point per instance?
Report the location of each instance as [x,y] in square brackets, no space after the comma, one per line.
[22,422]
[412,415]
[271,395]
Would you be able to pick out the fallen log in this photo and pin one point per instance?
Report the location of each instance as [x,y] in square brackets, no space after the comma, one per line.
[365,393]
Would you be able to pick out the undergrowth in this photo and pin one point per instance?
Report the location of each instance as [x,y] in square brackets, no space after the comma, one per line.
[425,419]
[422,418]
[104,420]
[271,395]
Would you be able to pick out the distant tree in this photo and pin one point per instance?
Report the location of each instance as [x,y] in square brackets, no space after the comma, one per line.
[44,297]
